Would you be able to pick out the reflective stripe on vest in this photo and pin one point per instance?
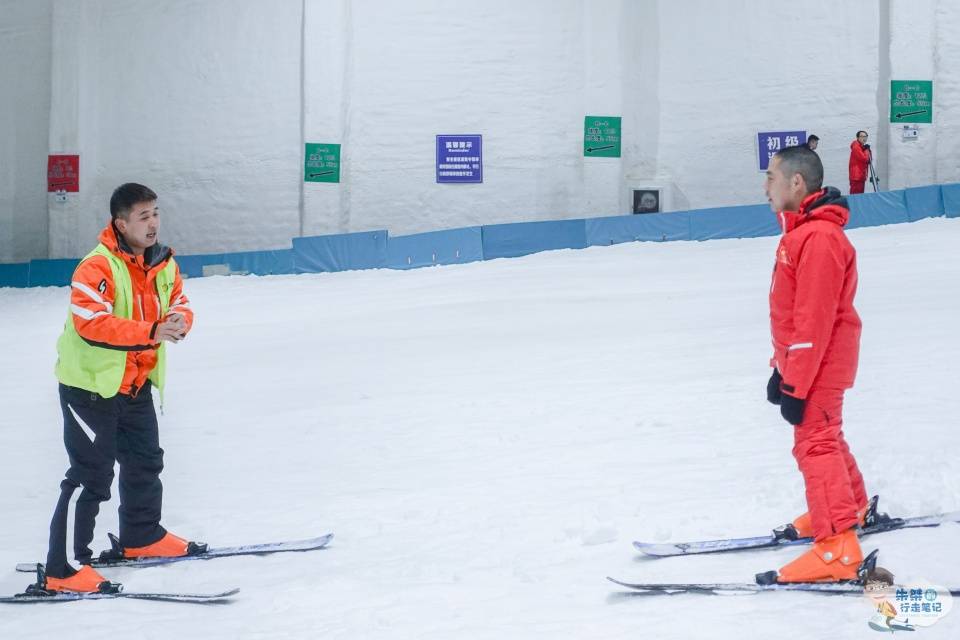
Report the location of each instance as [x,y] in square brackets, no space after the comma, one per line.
[100,370]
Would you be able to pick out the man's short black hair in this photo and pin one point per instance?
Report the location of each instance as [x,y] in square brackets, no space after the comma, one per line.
[812,137]
[861,131]
[127,195]
[804,161]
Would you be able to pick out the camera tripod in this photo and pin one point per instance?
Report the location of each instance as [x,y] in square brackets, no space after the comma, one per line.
[874,178]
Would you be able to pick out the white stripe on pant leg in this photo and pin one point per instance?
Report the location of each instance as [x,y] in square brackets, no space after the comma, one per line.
[72,506]
[71,528]
[83,425]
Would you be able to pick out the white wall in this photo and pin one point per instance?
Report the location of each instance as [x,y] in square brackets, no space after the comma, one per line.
[197,99]
[24,117]
[520,76]
[731,69]
[933,157]
[946,91]
[210,103]
[912,58]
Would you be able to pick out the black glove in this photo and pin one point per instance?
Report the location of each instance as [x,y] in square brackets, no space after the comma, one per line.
[773,387]
[867,147]
[792,408]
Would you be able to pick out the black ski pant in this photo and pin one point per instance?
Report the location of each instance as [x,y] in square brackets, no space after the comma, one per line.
[97,432]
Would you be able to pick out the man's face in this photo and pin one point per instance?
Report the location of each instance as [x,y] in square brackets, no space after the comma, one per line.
[784,193]
[141,225]
[862,138]
[813,145]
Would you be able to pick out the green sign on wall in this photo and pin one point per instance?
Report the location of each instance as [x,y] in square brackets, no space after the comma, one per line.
[321,162]
[601,136]
[911,101]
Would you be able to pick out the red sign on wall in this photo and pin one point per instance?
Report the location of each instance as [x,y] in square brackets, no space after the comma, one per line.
[63,173]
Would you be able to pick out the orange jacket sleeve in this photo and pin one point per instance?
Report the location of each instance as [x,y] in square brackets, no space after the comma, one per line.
[92,295]
[179,303]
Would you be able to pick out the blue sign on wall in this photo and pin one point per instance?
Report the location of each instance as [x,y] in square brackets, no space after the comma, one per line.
[769,142]
[459,158]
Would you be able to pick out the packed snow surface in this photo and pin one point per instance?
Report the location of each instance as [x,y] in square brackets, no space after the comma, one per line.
[486,441]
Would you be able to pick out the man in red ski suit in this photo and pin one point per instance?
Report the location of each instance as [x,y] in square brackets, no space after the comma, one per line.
[816,341]
[860,156]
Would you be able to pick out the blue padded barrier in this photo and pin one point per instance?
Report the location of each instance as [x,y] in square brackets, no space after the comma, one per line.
[658,227]
[923,202]
[52,273]
[951,200]
[15,275]
[749,221]
[453,246]
[261,263]
[364,250]
[238,262]
[872,209]
[192,266]
[522,238]
[374,249]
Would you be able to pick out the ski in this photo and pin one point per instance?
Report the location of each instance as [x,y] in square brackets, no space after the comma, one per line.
[867,573]
[107,559]
[735,588]
[877,523]
[197,598]
[732,588]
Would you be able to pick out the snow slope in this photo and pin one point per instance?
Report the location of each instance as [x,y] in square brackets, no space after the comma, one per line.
[486,440]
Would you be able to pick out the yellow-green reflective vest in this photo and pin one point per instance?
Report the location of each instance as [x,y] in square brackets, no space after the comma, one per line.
[100,370]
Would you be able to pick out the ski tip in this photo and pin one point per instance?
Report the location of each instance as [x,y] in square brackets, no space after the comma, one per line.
[196,598]
[223,597]
[619,583]
[655,550]
[314,543]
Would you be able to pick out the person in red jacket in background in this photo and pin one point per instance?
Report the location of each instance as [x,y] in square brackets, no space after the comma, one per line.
[860,156]
[816,341]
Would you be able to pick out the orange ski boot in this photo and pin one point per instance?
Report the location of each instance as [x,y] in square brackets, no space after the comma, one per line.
[834,559]
[86,580]
[169,546]
[802,527]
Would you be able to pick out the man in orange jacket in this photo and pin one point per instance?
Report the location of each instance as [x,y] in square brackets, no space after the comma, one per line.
[860,156]
[126,301]
[816,341]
